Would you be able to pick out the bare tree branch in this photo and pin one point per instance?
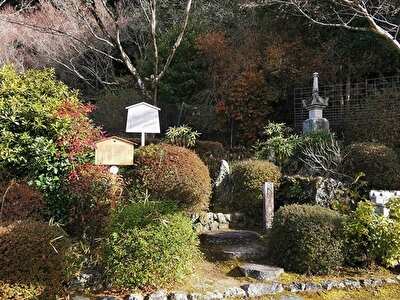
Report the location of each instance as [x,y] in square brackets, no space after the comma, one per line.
[381,17]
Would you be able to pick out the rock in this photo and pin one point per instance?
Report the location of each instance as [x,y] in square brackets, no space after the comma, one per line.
[195,296]
[290,298]
[351,283]
[212,296]
[178,296]
[221,218]
[159,295]
[206,218]
[228,217]
[328,285]
[194,217]
[312,287]
[214,226]
[198,227]
[390,281]
[135,297]
[260,272]
[261,289]
[80,298]
[224,226]
[234,292]
[297,287]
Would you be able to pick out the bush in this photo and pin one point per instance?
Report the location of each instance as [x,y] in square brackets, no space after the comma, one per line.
[149,245]
[45,131]
[20,291]
[371,238]
[307,239]
[182,136]
[33,253]
[379,163]
[171,172]
[95,191]
[21,202]
[248,177]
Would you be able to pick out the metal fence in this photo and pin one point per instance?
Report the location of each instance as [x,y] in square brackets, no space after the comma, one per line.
[350,100]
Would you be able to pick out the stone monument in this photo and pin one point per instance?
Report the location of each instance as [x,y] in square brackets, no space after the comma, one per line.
[268,205]
[315,121]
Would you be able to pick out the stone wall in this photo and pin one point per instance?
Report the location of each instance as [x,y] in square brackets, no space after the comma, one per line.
[209,221]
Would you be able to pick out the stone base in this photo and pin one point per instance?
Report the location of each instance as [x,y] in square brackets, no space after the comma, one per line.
[312,125]
[260,272]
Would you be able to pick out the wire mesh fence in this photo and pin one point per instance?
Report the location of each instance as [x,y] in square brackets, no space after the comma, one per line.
[352,100]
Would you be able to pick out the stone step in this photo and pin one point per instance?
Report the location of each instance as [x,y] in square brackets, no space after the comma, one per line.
[247,252]
[229,237]
[260,272]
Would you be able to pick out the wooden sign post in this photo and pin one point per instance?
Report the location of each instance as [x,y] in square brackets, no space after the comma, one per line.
[114,152]
[143,118]
[268,205]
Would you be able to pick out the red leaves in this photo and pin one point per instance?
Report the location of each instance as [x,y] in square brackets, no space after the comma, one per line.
[82,133]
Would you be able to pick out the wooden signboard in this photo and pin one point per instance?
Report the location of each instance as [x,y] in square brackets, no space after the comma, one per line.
[143,118]
[114,151]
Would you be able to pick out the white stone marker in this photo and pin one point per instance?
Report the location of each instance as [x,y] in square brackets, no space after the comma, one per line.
[268,204]
[143,118]
[381,198]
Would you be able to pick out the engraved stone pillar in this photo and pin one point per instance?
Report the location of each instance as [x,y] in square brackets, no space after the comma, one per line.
[268,204]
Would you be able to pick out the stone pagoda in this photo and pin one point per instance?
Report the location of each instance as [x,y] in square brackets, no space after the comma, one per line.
[315,121]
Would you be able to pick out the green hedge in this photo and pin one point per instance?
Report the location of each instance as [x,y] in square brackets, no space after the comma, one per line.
[307,239]
[379,163]
[176,173]
[248,177]
[150,245]
[33,253]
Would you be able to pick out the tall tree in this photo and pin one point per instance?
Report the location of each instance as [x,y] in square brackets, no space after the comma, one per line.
[89,37]
[381,17]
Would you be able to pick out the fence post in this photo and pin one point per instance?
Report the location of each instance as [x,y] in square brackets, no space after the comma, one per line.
[268,204]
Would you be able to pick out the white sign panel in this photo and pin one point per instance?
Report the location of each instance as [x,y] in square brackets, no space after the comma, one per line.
[143,118]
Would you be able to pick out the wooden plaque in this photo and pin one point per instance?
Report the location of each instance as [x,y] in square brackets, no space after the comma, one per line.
[114,151]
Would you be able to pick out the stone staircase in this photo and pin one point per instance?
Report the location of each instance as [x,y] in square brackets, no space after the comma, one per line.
[244,245]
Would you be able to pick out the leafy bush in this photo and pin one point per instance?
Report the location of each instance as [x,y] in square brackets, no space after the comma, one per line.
[182,136]
[20,291]
[171,172]
[307,239]
[371,238]
[149,245]
[248,177]
[379,163]
[45,131]
[95,191]
[280,145]
[33,253]
[21,202]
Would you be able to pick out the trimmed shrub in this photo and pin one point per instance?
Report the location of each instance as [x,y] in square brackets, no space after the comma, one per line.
[372,238]
[171,172]
[307,239]
[95,192]
[21,202]
[379,163]
[33,253]
[248,177]
[149,245]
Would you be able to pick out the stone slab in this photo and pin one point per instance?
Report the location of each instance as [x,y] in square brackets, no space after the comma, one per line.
[229,237]
[260,272]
